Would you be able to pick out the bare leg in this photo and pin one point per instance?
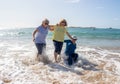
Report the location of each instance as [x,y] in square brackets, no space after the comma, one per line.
[59,58]
[55,55]
[38,57]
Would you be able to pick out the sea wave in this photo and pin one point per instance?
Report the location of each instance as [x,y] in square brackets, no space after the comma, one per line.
[87,33]
[95,65]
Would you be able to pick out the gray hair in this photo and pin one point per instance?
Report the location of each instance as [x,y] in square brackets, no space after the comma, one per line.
[45,21]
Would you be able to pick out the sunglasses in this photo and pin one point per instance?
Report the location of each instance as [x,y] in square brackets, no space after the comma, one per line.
[46,23]
[62,22]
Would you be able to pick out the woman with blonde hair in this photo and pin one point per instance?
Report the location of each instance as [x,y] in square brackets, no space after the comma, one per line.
[59,32]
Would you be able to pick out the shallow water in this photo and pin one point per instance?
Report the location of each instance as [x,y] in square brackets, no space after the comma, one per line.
[99,59]
[95,66]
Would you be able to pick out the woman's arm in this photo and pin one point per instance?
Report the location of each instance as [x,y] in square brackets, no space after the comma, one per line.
[51,27]
[69,35]
[34,32]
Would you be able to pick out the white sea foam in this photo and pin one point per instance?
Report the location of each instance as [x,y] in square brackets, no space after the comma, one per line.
[18,65]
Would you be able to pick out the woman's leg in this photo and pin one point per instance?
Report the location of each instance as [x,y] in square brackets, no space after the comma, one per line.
[58,48]
[40,48]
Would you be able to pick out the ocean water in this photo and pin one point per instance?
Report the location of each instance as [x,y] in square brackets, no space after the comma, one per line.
[86,36]
[99,58]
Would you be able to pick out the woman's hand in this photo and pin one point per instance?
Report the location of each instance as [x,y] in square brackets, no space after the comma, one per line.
[33,39]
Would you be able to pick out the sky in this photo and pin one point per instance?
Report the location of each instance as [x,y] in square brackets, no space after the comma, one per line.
[83,13]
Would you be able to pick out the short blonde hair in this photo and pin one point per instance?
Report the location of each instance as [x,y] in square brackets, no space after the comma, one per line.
[63,20]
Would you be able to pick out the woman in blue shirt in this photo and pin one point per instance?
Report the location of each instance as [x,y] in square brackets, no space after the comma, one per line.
[70,50]
[39,36]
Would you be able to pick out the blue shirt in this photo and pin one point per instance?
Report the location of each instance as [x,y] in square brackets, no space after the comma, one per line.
[70,47]
[41,35]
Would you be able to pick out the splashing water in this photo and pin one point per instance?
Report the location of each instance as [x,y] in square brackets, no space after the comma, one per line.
[18,64]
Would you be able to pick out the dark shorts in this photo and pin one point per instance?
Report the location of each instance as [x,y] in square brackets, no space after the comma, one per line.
[40,47]
[58,46]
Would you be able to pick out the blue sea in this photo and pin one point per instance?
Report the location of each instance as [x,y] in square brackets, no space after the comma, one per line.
[99,37]
[95,46]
